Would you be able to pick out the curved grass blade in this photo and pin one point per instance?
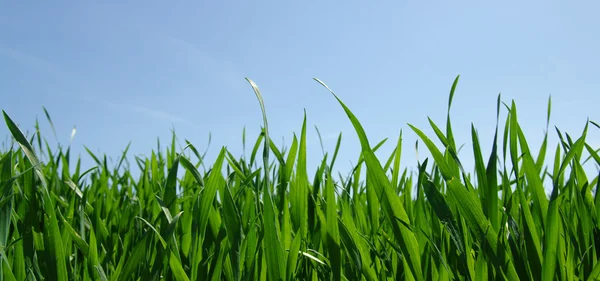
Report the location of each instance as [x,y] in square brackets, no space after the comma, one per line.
[177,268]
[215,180]
[477,222]
[52,236]
[553,225]
[397,156]
[299,191]
[274,252]
[292,258]
[133,261]
[435,152]
[357,252]
[390,201]
[49,121]
[160,238]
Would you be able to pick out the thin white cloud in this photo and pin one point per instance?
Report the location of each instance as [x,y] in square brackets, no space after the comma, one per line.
[34,62]
[162,115]
[153,113]
[223,70]
[81,86]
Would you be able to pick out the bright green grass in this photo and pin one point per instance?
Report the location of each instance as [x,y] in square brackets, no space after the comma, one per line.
[242,221]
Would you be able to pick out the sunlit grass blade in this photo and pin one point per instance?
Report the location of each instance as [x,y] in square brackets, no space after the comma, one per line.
[52,237]
[133,261]
[449,133]
[274,252]
[299,191]
[553,225]
[233,223]
[492,177]
[49,121]
[391,202]
[177,269]
[397,156]
[333,231]
[480,169]
[477,222]
[435,152]
[356,252]
[292,258]
[215,179]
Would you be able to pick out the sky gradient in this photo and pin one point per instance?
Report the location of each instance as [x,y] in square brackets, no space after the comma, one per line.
[124,71]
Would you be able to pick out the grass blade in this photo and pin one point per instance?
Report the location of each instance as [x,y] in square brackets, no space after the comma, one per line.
[391,203]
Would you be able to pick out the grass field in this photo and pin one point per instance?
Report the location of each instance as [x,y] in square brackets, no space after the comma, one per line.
[263,217]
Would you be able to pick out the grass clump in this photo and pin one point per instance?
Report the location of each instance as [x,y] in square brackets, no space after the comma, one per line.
[246,220]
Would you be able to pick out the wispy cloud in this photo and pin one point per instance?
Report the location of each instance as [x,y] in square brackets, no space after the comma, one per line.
[34,62]
[81,86]
[154,113]
[221,69]
[159,114]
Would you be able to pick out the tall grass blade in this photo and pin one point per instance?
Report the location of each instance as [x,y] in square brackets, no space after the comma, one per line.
[274,252]
[391,203]
[52,237]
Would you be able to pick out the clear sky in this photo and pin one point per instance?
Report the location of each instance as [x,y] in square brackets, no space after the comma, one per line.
[125,71]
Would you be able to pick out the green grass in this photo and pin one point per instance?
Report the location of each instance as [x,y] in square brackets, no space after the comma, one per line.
[247,219]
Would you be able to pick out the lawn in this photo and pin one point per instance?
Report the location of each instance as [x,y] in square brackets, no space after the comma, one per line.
[263,217]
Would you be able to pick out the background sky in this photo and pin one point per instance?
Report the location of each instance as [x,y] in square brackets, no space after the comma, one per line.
[124,71]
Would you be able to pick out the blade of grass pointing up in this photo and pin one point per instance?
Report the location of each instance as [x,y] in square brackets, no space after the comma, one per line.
[333,230]
[531,173]
[215,180]
[337,149]
[299,192]
[449,134]
[542,154]
[397,155]
[52,236]
[480,169]
[492,176]
[49,121]
[232,219]
[391,202]
[552,220]
[274,252]
[469,207]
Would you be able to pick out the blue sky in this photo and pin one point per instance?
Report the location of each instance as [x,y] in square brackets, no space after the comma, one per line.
[125,71]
